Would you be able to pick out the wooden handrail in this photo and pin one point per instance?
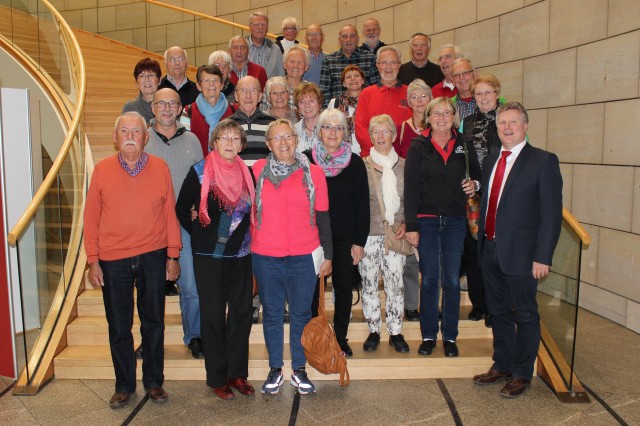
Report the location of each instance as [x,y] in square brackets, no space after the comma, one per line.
[576,227]
[76,63]
[209,17]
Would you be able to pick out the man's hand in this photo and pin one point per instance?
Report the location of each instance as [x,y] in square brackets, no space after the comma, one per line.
[95,275]
[173,270]
[357,253]
[539,270]
[413,238]
[402,229]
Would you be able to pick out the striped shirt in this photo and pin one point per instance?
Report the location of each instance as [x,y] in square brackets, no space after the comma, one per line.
[255,126]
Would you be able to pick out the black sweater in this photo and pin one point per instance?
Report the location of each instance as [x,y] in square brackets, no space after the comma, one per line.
[349,201]
[432,186]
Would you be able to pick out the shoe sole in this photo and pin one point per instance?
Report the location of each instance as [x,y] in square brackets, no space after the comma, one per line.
[300,391]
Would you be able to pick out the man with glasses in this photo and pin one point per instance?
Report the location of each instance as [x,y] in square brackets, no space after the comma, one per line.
[314,38]
[448,54]
[240,64]
[463,74]
[132,238]
[348,54]
[180,149]
[419,66]
[263,51]
[389,96]
[289,34]
[176,63]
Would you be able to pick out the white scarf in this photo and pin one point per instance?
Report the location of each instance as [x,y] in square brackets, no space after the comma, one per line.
[389,182]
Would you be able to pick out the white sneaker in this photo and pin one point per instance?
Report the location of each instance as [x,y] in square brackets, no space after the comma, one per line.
[300,380]
[275,379]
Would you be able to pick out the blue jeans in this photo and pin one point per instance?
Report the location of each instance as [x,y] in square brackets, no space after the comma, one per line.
[440,249]
[189,302]
[148,273]
[279,278]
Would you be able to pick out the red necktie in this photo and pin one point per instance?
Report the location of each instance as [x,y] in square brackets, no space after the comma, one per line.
[490,223]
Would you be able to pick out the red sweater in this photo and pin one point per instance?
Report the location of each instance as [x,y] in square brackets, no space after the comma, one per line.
[254,70]
[375,100]
[125,216]
[200,127]
[439,90]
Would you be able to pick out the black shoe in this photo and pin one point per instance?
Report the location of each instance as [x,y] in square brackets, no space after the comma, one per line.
[286,316]
[139,353]
[399,343]
[487,320]
[195,345]
[426,347]
[256,315]
[171,289]
[344,346]
[372,342]
[475,314]
[450,348]
[411,315]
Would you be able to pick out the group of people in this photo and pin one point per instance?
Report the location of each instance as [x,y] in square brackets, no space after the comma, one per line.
[280,165]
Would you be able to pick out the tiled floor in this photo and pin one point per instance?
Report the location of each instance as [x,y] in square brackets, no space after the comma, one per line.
[606,361]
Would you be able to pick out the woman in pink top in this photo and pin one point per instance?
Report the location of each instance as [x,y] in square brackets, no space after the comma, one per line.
[291,222]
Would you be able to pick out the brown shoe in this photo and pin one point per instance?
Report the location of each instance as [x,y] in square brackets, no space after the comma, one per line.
[223,392]
[490,377]
[515,387]
[241,384]
[119,399]
[158,395]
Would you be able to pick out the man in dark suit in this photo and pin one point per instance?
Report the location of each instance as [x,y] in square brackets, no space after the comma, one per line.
[520,220]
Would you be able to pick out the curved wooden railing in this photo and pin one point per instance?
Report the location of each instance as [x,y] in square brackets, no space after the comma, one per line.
[576,227]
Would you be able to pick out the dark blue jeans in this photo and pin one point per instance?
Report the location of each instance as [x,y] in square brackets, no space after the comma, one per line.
[148,273]
[440,249]
[293,278]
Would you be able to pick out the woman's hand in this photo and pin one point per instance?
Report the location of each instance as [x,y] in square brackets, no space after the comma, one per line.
[468,187]
[413,238]
[357,253]
[401,231]
[325,268]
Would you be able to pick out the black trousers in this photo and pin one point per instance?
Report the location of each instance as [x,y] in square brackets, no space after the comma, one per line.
[224,283]
[475,283]
[511,300]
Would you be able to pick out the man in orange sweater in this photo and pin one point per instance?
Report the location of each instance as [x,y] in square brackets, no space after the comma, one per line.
[132,237]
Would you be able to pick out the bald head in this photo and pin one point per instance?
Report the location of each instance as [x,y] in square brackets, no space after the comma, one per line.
[175,60]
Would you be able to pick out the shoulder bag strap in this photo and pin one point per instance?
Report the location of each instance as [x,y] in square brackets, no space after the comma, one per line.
[379,195]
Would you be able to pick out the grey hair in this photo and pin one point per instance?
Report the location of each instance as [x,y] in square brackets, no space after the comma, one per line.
[421,35]
[274,123]
[130,114]
[307,56]
[385,48]
[417,85]
[258,13]
[513,106]
[219,54]
[275,81]
[184,52]
[289,20]
[238,37]
[382,119]
[333,115]
[456,49]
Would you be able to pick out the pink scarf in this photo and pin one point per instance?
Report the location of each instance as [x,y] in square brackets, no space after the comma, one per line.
[227,182]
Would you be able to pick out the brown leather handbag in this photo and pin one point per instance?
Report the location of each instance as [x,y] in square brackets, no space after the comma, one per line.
[473,202]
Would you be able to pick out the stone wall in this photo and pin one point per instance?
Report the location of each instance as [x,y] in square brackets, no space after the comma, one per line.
[574,63]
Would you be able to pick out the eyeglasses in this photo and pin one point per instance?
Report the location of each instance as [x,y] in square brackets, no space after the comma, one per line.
[330,128]
[463,74]
[136,131]
[226,138]
[222,66]
[383,132]
[173,59]
[445,114]
[147,76]
[483,94]
[244,91]
[210,80]
[259,24]
[289,29]
[385,63]
[163,104]
[422,97]
[311,35]
[284,137]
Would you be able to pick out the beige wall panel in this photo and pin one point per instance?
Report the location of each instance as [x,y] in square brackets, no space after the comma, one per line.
[510,76]
[575,133]
[481,41]
[383,4]
[408,21]
[566,170]
[90,20]
[140,37]
[524,32]
[438,40]
[162,16]
[130,16]
[352,8]
[80,4]
[319,12]
[58,5]
[181,34]
[490,8]
[211,32]
[203,6]
[385,18]
[603,303]
[103,3]
[618,263]
[73,18]
[233,6]
[106,19]
[589,264]
[125,36]
[157,39]
[537,131]
[602,195]
[549,80]
[635,225]
[621,130]
[633,316]
[608,70]
[450,14]
[575,22]
[280,11]
[264,3]
[202,54]
[624,15]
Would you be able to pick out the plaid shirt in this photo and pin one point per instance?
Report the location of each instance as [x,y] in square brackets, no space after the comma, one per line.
[334,63]
[138,167]
[464,108]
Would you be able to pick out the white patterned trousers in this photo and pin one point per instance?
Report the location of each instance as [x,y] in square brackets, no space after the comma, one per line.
[392,265]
